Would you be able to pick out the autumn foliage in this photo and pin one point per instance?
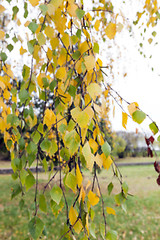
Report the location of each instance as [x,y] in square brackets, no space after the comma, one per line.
[62,69]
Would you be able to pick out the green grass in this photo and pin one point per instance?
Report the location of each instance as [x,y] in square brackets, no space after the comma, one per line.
[140,222]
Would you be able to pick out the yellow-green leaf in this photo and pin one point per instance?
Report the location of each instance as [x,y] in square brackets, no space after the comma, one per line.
[88,156]
[94,90]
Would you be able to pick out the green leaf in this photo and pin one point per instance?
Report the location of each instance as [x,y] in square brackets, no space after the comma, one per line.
[80,13]
[10,47]
[25,10]
[45,165]
[31,158]
[36,137]
[158,139]
[45,82]
[102,230]
[52,85]
[16,190]
[36,227]
[92,230]
[15,39]
[153,127]
[30,45]
[15,10]
[110,188]
[42,203]
[56,208]
[138,116]
[45,145]
[3,56]
[56,194]
[72,91]
[25,72]
[76,55]
[106,149]
[96,48]
[33,26]
[32,148]
[31,112]
[43,8]
[78,33]
[125,187]
[154,33]
[13,120]
[21,143]
[119,198]
[29,181]
[9,143]
[23,95]
[111,235]
[53,148]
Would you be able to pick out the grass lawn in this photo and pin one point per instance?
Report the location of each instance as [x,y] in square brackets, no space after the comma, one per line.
[140,222]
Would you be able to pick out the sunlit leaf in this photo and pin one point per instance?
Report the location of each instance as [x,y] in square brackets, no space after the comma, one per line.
[111,30]
[93,199]
[110,211]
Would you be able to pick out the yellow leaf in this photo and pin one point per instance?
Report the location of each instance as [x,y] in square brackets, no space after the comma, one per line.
[106,161]
[73,218]
[88,156]
[22,50]
[83,47]
[61,73]
[99,160]
[54,43]
[93,199]
[93,145]
[111,30]
[72,9]
[2,9]
[124,119]
[49,118]
[82,195]
[96,25]
[110,211]
[94,90]
[34,2]
[65,40]
[132,108]
[49,31]
[6,94]
[2,85]
[79,176]
[89,62]
[2,34]
[36,53]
